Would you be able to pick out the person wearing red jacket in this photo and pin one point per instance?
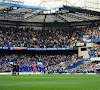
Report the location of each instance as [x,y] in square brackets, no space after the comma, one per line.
[34,68]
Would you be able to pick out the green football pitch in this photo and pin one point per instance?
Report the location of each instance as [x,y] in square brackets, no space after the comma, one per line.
[50,82]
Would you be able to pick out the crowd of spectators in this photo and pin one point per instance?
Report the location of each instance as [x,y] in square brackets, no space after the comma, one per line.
[81,35]
[14,38]
[53,37]
[48,61]
[96,49]
[51,63]
[34,38]
[58,62]
[87,67]
[6,60]
[46,38]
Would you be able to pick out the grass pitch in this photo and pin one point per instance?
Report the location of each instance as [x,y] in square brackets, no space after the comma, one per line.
[50,82]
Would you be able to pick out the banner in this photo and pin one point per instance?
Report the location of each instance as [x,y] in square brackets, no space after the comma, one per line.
[4,48]
[18,48]
[95,58]
[80,44]
[93,40]
[34,49]
[88,40]
[48,49]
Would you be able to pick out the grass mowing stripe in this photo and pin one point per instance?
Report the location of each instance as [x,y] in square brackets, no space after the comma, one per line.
[50,82]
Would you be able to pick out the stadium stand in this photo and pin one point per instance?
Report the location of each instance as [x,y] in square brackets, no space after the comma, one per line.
[48,61]
[50,38]
[72,29]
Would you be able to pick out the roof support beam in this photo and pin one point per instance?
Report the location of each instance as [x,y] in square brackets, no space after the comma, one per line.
[28,11]
[76,17]
[81,10]
[9,9]
[34,15]
[61,18]
[45,19]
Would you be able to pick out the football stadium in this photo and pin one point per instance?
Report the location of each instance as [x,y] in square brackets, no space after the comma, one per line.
[49,44]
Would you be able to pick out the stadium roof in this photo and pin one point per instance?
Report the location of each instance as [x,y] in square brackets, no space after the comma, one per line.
[39,14]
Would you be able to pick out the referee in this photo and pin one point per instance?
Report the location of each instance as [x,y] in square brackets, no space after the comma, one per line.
[17,69]
[14,69]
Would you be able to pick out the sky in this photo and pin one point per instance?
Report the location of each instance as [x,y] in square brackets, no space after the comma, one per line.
[53,4]
[77,3]
[32,2]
